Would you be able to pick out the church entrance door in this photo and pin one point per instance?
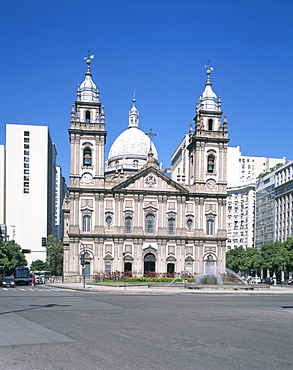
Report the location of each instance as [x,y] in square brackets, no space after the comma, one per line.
[127,267]
[149,263]
[170,268]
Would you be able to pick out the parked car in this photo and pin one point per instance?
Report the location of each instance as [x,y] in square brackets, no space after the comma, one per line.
[8,282]
[270,280]
[256,280]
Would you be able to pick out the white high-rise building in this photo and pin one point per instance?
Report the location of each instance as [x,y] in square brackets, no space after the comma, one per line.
[61,192]
[30,187]
[2,193]
[2,181]
[240,215]
[244,167]
[180,161]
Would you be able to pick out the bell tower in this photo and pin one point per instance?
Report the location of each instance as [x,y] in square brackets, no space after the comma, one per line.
[87,135]
[208,175]
[208,143]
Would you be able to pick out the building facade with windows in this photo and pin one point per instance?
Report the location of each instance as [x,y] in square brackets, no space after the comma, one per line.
[60,193]
[265,210]
[30,187]
[244,167]
[240,215]
[284,202]
[2,183]
[130,216]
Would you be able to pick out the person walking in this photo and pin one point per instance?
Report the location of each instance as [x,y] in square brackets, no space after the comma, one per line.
[33,287]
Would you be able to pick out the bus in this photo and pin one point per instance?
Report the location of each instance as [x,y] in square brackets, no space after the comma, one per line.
[21,275]
[42,277]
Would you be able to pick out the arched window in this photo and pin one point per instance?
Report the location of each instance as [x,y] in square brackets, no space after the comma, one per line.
[210,227]
[150,223]
[211,164]
[135,163]
[87,157]
[171,226]
[128,225]
[87,116]
[86,223]
[210,125]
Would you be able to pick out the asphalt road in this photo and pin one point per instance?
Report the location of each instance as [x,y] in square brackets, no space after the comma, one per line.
[51,328]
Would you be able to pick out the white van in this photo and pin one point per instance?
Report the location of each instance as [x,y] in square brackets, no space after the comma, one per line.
[256,280]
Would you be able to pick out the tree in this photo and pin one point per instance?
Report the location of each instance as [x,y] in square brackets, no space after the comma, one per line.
[234,259]
[54,255]
[273,256]
[251,260]
[11,256]
[243,260]
[39,265]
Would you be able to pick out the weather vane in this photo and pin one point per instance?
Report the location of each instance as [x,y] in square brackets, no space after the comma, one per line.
[133,96]
[89,57]
[208,67]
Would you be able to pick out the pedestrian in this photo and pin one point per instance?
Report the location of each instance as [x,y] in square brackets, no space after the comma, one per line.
[33,283]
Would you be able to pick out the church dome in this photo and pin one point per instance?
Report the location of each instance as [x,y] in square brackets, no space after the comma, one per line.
[131,148]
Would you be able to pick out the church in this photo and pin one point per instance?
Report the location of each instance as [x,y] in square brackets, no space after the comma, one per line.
[128,215]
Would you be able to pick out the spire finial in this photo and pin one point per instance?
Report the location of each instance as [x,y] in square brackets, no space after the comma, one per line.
[133,97]
[88,60]
[209,70]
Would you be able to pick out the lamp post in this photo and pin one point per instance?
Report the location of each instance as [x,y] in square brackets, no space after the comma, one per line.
[82,262]
[124,253]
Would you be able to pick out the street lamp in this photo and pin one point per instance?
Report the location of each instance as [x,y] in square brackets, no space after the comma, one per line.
[82,262]
[124,254]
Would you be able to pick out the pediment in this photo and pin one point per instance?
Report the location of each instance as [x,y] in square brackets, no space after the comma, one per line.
[128,257]
[171,258]
[150,179]
[150,208]
[148,248]
[108,257]
[189,258]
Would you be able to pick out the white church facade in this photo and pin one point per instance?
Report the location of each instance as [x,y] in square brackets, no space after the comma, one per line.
[129,215]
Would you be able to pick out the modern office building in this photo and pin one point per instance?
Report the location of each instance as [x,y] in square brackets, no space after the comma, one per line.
[30,187]
[284,202]
[61,193]
[265,210]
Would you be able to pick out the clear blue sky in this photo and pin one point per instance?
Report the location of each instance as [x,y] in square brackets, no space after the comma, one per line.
[159,48]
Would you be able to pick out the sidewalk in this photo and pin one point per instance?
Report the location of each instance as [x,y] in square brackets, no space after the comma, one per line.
[173,290]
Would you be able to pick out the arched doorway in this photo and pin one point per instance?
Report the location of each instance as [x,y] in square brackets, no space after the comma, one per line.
[149,263]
